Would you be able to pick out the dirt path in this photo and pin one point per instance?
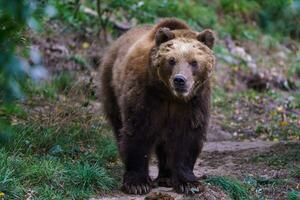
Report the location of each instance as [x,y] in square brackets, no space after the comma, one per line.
[218,158]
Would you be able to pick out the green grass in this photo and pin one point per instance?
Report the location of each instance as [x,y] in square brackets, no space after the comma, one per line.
[293,195]
[9,175]
[56,148]
[250,188]
[259,181]
[49,90]
[233,187]
[296,172]
[80,169]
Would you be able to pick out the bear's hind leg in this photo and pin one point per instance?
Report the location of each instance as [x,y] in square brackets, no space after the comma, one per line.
[164,174]
[108,96]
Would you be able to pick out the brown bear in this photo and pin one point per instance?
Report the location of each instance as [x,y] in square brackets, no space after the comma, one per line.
[155,83]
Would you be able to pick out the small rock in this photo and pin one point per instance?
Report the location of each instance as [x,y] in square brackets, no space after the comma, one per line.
[159,196]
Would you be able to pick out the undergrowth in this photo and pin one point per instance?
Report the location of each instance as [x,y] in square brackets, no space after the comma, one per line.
[233,187]
[57,149]
[49,163]
[293,195]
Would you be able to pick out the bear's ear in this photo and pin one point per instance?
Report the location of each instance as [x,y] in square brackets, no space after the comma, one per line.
[207,37]
[163,35]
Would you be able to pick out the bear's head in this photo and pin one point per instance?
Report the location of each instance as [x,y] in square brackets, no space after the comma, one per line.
[183,60]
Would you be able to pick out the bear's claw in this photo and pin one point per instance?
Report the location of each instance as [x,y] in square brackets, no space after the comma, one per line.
[190,188]
[136,189]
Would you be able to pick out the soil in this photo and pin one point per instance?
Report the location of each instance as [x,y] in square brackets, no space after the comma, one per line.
[227,158]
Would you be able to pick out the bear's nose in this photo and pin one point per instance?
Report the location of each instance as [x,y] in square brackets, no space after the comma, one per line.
[179,80]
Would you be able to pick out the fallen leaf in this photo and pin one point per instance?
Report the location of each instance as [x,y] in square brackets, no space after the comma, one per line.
[280,109]
[283,123]
[2,194]
[85,45]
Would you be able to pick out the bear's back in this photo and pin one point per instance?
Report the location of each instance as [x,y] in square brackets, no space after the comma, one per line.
[122,45]
[122,50]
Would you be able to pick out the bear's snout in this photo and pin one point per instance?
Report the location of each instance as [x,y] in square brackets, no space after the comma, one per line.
[179,82]
[181,85]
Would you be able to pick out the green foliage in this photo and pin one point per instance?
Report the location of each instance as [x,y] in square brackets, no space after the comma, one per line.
[280,16]
[293,195]
[233,187]
[237,28]
[148,11]
[72,12]
[15,17]
[276,17]
[143,11]
[244,7]
[237,18]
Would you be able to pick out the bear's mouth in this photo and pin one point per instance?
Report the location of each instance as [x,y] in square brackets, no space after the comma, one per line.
[180,90]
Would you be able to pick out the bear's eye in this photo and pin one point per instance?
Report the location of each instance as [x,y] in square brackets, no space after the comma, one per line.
[194,63]
[172,61]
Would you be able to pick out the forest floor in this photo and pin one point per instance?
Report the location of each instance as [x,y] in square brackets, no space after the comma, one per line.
[254,162]
[253,149]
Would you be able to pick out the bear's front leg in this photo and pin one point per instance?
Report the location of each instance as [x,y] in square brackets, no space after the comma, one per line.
[135,144]
[135,152]
[186,150]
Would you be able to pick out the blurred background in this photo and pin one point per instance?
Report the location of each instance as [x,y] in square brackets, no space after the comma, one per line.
[56,144]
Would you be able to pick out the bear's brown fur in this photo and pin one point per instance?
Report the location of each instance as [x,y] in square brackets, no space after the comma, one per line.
[156,94]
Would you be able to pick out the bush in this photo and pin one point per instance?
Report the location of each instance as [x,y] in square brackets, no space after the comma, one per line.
[280,16]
